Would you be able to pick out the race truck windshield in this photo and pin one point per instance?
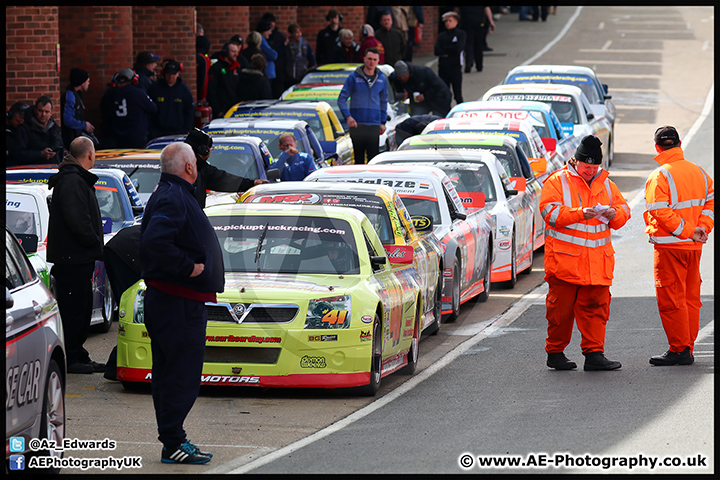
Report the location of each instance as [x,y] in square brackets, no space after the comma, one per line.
[236,159]
[472,180]
[279,244]
[20,222]
[422,207]
[373,207]
[110,203]
[145,176]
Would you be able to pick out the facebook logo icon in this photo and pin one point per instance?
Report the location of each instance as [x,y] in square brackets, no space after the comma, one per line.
[17,462]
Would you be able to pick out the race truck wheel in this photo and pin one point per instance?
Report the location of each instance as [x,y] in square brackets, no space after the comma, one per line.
[455,293]
[483,297]
[513,266]
[375,360]
[437,309]
[528,270]
[52,421]
[106,310]
[414,352]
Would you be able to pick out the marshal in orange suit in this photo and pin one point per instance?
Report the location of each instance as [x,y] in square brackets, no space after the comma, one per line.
[680,214]
[580,205]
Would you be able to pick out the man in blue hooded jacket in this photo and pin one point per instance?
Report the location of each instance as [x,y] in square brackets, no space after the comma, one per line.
[367,87]
[183,268]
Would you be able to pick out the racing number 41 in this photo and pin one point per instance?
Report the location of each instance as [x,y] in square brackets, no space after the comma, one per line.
[335,317]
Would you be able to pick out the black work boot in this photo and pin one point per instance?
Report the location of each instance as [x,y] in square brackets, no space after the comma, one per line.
[559,361]
[597,361]
[673,358]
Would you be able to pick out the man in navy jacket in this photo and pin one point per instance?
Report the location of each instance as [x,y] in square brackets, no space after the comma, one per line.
[183,268]
[125,110]
[175,108]
[367,87]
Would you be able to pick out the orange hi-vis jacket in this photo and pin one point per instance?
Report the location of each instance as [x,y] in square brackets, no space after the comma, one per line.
[680,197]
[579,251]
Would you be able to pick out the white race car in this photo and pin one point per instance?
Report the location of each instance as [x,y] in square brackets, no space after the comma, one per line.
[569,103]
[583,77]
[543,162]
[479,177]
[465,238]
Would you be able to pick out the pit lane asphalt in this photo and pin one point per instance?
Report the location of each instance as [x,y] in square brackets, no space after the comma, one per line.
[496,395]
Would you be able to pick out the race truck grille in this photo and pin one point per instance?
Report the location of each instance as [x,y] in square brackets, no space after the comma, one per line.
[253,313]
[241,355]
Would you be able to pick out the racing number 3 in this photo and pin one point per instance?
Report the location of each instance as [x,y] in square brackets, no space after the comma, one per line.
[122,109]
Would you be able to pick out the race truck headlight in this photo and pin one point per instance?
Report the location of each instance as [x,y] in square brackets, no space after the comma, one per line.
[139,306]
[329,312]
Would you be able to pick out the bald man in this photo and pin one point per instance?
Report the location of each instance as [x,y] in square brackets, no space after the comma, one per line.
[75,242]
[183,268]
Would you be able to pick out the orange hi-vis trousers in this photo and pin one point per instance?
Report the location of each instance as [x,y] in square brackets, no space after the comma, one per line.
[589,305]
[677,286]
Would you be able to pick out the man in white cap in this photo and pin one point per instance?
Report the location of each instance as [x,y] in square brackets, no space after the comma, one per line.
[449,48]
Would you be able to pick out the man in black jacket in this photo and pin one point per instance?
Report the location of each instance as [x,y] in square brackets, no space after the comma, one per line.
[449,48]
[426,91]
[209,176]
[145,65]
[327,38]
[183,268]
[223,80]
[14,118]
[477,22]
[75,242]
[39,137]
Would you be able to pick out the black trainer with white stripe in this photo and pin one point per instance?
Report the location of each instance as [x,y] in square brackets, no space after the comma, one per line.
[186,453]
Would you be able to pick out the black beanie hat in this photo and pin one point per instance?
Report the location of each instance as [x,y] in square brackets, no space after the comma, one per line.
[78,77]
[200,141]
[589,150]
[202,44]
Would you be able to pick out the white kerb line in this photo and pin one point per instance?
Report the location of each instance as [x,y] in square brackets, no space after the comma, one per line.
[512,314]
[556,39]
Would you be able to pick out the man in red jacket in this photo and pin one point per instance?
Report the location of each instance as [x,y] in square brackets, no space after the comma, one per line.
[680,214]
[368,40]
[580,205]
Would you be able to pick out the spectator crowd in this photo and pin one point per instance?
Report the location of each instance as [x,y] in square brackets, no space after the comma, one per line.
[151,100]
